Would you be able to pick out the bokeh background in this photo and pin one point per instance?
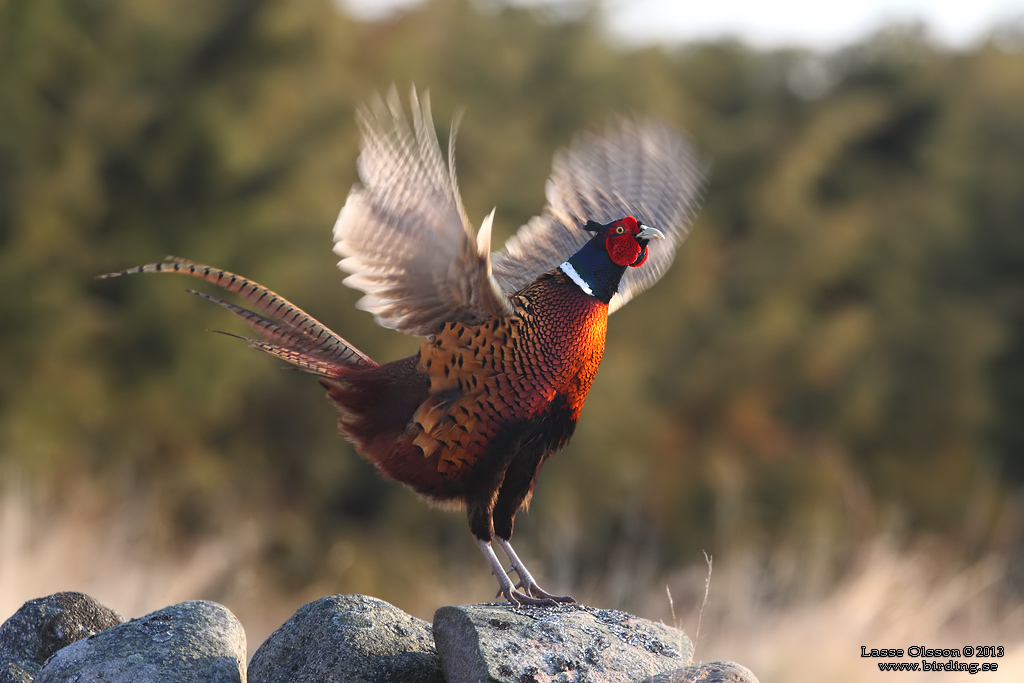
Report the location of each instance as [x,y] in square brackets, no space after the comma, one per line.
[825,395]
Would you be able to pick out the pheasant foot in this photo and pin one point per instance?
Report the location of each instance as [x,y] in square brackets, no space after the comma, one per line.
[510,592]
[526,581]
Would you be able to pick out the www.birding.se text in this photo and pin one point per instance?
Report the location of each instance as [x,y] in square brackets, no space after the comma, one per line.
[936,665]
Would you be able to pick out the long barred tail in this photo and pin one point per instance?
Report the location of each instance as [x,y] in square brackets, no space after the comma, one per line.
[289,333]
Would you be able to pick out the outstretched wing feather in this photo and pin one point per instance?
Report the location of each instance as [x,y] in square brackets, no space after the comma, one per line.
[403,233]
[638,168]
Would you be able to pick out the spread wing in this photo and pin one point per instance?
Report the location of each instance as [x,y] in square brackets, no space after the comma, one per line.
[638,168]
[403,232]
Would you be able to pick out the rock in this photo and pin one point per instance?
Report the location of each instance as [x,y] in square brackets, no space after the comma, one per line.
[713,672]
[190,642]
[499,642]
[351,638]
[45,625]
[348,638]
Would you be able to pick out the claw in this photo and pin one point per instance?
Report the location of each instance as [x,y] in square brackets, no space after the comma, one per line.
[517,598]
[531,593]
[529,587]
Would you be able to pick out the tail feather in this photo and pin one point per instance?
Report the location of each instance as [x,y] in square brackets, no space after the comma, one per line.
[271,330]
[307,362]
[290,333]
[332,350]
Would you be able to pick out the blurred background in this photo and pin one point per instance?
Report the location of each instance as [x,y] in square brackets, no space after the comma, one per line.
[825,394]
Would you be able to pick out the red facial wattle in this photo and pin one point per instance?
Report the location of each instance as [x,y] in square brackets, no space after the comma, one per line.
[622,245]
[641,259]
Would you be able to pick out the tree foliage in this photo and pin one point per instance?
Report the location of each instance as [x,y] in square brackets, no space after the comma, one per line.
[838,350]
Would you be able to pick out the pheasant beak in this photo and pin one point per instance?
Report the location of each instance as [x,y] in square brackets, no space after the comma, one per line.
[649,233]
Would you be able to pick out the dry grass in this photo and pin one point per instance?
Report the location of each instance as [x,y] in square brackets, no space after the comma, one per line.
[892,599]
[85,544]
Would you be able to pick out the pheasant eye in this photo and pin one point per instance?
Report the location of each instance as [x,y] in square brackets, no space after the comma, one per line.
[619,230]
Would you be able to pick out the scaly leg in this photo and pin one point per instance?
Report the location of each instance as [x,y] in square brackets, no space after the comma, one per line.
[526,581]
[505,586]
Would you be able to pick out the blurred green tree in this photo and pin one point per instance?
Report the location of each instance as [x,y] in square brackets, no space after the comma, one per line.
[838,351]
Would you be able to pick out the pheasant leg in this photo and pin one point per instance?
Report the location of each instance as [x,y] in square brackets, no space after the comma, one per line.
[505,587]
[526,581]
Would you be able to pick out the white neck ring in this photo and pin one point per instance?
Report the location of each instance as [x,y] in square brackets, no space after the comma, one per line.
[575,277]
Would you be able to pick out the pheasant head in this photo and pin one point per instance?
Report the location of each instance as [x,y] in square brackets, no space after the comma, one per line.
[600,264]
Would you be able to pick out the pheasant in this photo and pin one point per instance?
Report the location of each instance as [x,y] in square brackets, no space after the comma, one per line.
[511,340]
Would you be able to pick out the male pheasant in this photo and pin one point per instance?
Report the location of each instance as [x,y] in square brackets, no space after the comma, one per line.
[512,340]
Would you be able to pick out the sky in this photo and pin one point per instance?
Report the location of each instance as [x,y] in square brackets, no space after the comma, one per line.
[803,23]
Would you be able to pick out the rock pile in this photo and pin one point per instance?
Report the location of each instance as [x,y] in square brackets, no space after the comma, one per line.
[71,637]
